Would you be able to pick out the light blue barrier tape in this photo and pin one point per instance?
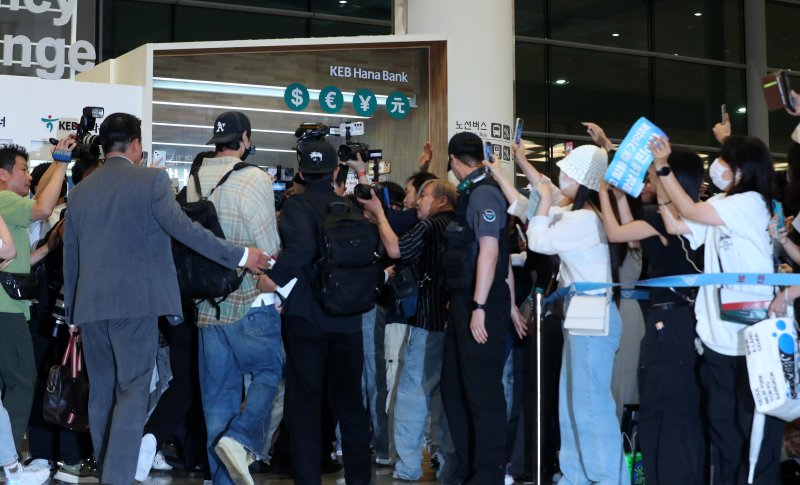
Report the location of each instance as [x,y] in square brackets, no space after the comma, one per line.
[689,280]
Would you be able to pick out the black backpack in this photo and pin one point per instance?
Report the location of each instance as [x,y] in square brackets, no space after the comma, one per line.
[200,278]
[348,273]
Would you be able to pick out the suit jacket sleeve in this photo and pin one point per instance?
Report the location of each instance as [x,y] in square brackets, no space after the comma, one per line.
[299,235]
[71,265]
[175,223]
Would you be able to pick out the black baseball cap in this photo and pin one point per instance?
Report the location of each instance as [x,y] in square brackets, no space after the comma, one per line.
[228,127]
[318,157]
[466,142]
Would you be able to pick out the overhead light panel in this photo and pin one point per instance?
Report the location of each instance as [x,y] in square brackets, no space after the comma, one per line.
[698,14]
[742,110]
[561,82]
[614,35]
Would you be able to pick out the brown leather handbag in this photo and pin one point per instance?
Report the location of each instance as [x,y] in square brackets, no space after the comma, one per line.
[66,395]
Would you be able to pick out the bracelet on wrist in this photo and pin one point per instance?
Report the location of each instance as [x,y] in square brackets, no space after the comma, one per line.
[662,204]
[361,173]
[64,156]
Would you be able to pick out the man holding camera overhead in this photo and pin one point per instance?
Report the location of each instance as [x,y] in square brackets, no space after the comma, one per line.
[17,368]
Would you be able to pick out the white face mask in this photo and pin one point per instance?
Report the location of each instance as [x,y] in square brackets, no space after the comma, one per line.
[717,171]
[565,183]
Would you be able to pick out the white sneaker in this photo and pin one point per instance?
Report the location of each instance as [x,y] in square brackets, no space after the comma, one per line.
[509,480]
[39,463]
[31,476]
[234,457]
[147,451]
[160,464]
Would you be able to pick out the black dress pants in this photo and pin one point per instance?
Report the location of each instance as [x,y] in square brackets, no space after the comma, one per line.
[472,395]
[174,404]
[730,417]
[318,361]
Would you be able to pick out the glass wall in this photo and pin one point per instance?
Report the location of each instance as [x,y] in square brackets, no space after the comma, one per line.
[673,61]
[131,23]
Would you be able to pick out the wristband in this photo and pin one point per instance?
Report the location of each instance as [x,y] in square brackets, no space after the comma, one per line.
[361,174]
[64,156]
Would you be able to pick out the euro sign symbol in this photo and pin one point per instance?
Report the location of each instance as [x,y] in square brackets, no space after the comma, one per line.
[297,96]
[365,102]
[329,100]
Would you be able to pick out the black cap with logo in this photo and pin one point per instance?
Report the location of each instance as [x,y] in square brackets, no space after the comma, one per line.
[229,127]
[467,143]
[317,157]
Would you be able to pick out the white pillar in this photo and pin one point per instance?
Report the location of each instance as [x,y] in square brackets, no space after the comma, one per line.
[480,64]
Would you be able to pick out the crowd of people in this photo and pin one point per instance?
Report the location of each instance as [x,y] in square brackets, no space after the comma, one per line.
[432,355]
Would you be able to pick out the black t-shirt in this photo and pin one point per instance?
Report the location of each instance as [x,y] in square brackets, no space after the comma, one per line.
[673,259]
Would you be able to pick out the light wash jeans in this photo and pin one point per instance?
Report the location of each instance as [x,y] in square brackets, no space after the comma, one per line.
[419,378]
[373,383]
[251,345]
[8,452]
[591,441]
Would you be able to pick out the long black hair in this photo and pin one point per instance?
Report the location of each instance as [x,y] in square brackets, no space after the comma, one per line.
[688,169]
[616,251]
[791,199]
[750,157]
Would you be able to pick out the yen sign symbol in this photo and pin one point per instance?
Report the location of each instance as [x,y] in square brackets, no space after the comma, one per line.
[364,102]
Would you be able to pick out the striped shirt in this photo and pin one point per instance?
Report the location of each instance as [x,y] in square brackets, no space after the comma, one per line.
[422,246]
[246,210]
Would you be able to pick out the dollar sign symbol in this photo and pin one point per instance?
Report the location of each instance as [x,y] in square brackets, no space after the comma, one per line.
[297,96]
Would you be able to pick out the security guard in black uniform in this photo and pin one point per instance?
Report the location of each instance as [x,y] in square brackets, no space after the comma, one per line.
[476,264]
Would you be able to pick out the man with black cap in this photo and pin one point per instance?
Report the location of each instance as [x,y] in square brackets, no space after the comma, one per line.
[475,264]
[242,334]
[119,278]
[324,354]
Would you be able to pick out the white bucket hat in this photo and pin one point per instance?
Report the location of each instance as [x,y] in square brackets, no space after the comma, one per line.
[586,165]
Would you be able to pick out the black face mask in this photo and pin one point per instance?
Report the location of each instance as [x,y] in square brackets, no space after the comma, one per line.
[248,152]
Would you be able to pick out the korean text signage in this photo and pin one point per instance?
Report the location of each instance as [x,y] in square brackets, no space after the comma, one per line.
[629,166]
[52,55]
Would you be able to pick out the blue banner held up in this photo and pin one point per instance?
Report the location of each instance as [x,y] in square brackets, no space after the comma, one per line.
[633,157]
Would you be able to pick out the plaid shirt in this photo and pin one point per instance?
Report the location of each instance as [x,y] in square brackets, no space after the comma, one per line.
[246,210]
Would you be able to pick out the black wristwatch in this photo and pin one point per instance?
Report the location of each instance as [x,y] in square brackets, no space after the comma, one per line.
[663,171]
[478,306]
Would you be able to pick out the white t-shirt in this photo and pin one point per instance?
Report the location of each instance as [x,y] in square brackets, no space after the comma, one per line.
[578,239]
[741,245]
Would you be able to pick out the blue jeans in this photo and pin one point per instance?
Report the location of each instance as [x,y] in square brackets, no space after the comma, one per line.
[251,345]
[373,381]
[8,452]
[419,378]
[591,441]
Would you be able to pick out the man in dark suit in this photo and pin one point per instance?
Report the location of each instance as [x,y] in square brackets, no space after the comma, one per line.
[119,277]
[323,353]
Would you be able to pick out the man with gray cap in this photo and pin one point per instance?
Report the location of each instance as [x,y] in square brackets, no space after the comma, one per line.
[324,353]
[242,334]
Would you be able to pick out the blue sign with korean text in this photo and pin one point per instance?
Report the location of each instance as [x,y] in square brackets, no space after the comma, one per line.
[629,166]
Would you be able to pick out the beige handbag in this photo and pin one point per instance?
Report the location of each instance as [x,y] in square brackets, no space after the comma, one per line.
[587,315]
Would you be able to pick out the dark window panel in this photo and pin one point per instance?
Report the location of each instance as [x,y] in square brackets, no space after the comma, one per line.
[688,98]
[716,33]
[597,22]
[609,89]
[198,24]
[531,95]
[529,18]
[133,24]
[328,28]
[370,9]
[783,36]
[301,5]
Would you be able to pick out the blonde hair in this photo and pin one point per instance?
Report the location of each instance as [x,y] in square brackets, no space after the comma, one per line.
[441,188]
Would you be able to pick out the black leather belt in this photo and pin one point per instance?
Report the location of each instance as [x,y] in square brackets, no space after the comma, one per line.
[669,305]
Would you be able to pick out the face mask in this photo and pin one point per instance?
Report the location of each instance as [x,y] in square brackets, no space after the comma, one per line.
[248,151]
[716,171]
[564,184]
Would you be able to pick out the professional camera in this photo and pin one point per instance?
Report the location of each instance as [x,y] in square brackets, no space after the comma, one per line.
[349,149]
[311,131]
[363,191]
[87,143]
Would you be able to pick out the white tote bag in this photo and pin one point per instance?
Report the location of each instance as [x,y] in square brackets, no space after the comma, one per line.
[772,358]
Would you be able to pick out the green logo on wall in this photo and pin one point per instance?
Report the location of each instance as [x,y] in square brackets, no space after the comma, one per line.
[331,99]
[397,105]
[296,96]
[364,102]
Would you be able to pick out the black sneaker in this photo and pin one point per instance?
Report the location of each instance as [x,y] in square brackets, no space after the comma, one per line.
[82,472]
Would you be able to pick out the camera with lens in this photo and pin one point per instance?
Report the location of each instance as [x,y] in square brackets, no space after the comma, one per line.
[350,149]
[363,191]
[311,131]
[87,143]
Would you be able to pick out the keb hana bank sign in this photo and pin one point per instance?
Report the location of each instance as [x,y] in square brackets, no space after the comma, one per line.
[50,56]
